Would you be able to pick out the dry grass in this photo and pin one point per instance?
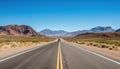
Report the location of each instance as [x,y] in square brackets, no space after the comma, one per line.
[23,39]
[19,41]
[110,43]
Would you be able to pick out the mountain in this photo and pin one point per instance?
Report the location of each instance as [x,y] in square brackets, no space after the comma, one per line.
[100,29]
[99,35]
[97,29]
[118,30]
[17,30]
[78,32]
[51,33]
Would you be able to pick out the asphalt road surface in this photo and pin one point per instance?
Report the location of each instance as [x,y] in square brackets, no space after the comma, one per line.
[59,55]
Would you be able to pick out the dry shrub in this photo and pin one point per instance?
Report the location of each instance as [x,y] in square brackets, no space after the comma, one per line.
[90,43]
[6,46]
[95,45]
[103,46]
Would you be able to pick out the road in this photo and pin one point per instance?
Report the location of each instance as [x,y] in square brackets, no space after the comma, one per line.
[59,55]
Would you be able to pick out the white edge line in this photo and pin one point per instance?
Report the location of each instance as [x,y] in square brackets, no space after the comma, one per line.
[20,53]
[100,55]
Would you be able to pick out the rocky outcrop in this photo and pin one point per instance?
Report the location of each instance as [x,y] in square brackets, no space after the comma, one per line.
[17,30]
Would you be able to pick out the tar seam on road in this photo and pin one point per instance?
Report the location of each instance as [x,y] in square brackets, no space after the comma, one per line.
[59,58]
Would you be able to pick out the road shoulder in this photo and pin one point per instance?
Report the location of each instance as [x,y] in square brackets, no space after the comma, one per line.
[109,53]
[12,51]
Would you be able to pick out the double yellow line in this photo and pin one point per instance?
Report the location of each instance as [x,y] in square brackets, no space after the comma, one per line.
[59,58]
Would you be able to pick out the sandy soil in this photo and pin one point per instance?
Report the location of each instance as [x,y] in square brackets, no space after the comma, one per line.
[110,53]
[11,51]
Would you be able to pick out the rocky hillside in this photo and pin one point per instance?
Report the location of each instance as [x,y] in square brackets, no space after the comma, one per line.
[98,35]
[17,30]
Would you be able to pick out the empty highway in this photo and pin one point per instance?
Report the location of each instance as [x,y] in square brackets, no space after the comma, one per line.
[59,55]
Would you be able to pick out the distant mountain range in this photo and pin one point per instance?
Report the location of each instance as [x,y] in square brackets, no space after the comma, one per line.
[97,29]
[24,30]
[51,33]
[63,33]
[17,30]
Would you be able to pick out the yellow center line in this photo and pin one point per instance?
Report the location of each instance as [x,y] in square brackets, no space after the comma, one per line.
[57,67]
[61,64]
[59,58]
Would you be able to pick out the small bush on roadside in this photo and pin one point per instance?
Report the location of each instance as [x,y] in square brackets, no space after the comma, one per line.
[103,46]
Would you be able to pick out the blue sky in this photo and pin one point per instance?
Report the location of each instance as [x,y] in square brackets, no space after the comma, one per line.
[69,15]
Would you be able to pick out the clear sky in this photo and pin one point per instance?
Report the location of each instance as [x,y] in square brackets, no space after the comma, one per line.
[68,15]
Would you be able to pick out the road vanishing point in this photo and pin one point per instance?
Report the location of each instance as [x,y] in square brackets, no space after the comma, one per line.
[58,55]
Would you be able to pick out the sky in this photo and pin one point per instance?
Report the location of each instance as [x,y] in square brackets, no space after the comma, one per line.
[68,15]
